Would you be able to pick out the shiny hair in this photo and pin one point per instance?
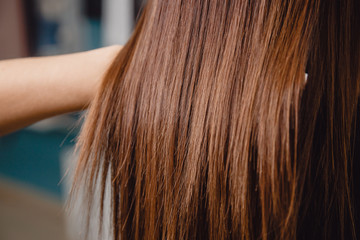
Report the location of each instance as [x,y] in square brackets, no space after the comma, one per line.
[205,127]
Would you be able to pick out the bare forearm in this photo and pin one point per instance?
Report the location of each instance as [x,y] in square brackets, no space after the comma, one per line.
[35,88]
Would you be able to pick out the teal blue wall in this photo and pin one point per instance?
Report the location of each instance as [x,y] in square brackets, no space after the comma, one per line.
[33,158]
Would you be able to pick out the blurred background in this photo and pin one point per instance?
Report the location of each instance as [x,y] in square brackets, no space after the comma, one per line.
[33,161]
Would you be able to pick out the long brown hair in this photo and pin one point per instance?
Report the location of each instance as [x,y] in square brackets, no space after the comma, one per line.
[205,127]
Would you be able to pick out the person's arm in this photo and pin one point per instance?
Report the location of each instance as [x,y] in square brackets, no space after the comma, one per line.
[35,88]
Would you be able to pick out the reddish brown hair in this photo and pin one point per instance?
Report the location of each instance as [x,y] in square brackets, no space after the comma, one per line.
[207,128]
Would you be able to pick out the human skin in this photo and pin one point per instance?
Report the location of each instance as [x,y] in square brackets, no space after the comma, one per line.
[35,88]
